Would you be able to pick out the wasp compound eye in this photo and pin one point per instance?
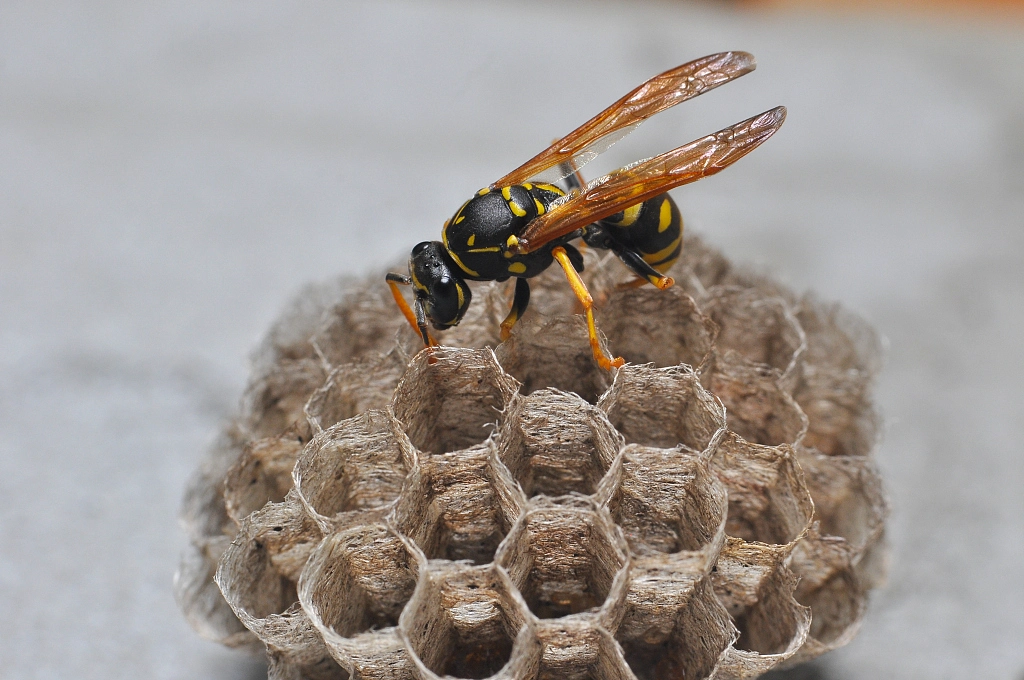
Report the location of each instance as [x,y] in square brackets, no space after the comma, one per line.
[420,247]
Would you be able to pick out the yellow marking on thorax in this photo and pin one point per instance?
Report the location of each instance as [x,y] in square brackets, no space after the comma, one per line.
[517,268]
[462,298]
[488,249]
[664,252]
[665,216]
[485,190]
[471,240]
[528,186]
[540,206]
[444,240]
[517,210]
[629,216]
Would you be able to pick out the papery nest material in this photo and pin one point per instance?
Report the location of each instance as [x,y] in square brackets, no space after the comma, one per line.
[710,510]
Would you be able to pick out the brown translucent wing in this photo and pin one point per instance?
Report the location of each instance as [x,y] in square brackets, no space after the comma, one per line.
[646,179]
[657,94]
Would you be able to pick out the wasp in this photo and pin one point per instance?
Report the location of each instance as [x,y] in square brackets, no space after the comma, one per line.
[522,223]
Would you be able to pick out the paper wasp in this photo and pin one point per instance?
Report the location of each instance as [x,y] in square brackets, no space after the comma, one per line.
[519,225]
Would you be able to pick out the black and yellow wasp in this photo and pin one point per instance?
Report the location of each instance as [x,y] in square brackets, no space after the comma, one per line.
[519,225]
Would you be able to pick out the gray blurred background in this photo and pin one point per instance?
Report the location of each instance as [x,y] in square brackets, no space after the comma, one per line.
[172,173]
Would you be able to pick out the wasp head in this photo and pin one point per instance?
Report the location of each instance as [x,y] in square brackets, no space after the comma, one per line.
[443,294]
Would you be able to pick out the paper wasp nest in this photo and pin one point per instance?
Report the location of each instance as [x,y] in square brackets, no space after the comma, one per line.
[510,510]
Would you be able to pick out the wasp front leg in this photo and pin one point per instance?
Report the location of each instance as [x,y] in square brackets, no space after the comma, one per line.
[519,304]
[417,320]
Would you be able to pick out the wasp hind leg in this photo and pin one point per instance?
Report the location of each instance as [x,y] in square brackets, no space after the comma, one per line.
[583,295]
[417,319]
[519,304]
[639,266]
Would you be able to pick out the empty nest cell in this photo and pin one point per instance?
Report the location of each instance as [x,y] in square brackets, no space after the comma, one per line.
[355,466]
[354,388]
[451,399]
[759,327]
[465,622]
[662,407]
[768,499]
[359,580]
[688,645]
[555,443]
[834,390]
[757,407]
[457,506]
[664,328]
[577,649]
[261,475]
[553,352]
[668,501]
[566,557]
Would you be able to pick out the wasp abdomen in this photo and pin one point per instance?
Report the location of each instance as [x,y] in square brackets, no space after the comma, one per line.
[654,229]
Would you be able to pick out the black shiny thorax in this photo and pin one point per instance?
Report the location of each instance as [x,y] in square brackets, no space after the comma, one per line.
[477,236]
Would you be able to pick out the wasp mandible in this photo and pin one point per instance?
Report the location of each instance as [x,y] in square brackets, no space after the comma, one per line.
[522,223]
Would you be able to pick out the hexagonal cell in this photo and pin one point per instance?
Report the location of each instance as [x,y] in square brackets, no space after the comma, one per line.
[662,407]
[668,501]
[566,557]
[353,468]
[275,402]
[758,408]
[768,499]
[452,398]
[358,580]
[848,497]
[576,649]
[363,324]
[699,266]
[829,585]
[838,607]
[663,327]
[843,355]
[203,605]
[466,622]
[458,506]
[689,646]
[354,388]
[555,443]
[257,576]
[261,475]
[553,352]
[760,328]
[756,587]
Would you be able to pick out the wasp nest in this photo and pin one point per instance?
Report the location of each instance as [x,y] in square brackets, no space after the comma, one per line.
[511,510]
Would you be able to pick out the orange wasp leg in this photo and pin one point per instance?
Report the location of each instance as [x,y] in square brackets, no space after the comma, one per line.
[583,295]
[394,280]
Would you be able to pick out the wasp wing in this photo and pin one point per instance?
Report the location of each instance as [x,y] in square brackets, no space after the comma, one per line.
[659,93]
[646,179]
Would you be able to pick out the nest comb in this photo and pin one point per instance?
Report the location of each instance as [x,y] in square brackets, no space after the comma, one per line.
[510,510]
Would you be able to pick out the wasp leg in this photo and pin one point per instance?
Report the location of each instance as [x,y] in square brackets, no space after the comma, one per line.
[646,272]
[583,295]
[519,303]
[418,319]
